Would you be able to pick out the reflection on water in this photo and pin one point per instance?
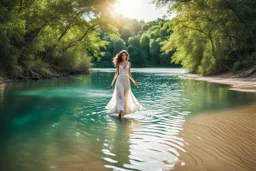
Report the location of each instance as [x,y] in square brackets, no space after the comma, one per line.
[62,124]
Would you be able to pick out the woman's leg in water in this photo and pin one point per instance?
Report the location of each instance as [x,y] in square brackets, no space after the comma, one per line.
[120,97]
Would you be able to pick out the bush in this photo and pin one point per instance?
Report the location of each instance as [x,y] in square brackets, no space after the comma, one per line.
[236,65]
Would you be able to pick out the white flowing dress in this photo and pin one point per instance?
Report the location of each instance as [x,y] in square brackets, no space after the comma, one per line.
[123,98]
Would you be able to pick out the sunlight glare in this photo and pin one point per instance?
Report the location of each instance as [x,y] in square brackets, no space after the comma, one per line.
[127,8]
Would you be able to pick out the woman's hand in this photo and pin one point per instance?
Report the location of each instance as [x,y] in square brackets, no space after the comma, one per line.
[111,86]
[135,83]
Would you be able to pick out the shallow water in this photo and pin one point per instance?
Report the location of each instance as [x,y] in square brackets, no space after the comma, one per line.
[61,124]
[219,141]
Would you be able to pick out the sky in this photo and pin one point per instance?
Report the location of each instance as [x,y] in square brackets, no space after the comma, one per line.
[139,9]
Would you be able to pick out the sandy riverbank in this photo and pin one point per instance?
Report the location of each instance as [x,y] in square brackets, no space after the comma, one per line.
[4,80]
[225,140]
[235,81]
[220,141]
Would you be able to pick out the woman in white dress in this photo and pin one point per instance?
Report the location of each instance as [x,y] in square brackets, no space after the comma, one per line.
[123,101]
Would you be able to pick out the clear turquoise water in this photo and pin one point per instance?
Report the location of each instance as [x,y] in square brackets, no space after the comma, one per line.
[61,124]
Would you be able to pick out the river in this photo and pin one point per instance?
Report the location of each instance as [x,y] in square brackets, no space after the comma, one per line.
[61,124]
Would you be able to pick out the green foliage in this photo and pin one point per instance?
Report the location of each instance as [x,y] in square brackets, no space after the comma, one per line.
[236,65]
[40,36]
[207,36]
[144,45]
[68,61]
[126,32]
[118,45]
[134,41]
[145,27]
[136,56]
[136,36]
[252,57]
[155,50]
[144,42]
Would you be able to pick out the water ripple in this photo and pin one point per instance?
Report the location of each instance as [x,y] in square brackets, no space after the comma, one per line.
[63,125]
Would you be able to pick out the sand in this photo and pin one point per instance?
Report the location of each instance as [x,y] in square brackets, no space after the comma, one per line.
[220,141]
[225,140]
[236,82]
[4,80]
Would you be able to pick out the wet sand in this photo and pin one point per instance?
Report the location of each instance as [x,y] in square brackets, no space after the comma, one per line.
[221,141]
[236,82]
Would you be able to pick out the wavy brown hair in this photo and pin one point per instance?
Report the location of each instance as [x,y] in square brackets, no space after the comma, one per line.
[118,58]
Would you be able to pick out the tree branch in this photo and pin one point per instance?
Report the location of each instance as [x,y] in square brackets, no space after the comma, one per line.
[235,12]
[21,3]
[81,38]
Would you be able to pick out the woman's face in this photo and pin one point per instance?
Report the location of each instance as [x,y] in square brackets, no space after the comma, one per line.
[124,56]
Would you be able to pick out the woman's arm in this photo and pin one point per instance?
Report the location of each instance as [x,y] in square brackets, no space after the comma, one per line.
[116,74]
[130,75]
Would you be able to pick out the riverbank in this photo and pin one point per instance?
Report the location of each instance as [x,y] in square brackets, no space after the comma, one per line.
[223,141]
[4,80]
[237,81]
[59,74]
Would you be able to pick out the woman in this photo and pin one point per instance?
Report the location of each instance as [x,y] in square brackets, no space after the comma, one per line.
[123,101]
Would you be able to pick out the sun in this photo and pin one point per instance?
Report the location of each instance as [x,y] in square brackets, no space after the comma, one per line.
[127,8]
[138,9]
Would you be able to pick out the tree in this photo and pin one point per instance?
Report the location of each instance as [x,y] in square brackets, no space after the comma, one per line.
[134,41]
[136,54]
[144,44]
[154,50]
[118,45]
[210,36]
[38,37]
